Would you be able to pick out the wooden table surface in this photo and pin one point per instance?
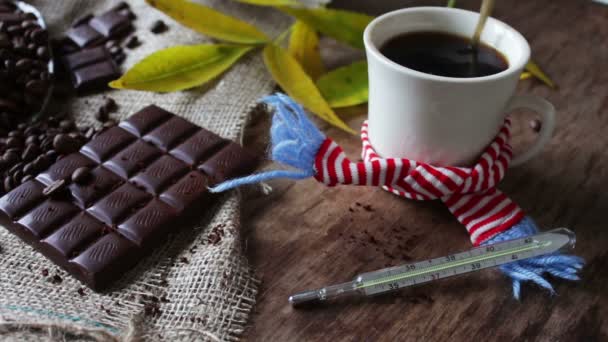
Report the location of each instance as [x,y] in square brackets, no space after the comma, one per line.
[305,235]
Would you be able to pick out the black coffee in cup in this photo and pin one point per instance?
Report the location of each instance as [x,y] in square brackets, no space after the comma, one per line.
[444,54]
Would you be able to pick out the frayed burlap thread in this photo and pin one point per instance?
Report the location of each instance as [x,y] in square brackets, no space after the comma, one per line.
[198,285]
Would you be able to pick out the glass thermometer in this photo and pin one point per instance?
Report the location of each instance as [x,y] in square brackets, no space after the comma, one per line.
[394,278]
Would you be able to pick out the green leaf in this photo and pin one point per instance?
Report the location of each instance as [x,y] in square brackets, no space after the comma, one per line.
[271,2]
[290,75]
[210,22]
[451,3]
[537,72]
[346,86]
[304,47]
[180,67]
[341,25]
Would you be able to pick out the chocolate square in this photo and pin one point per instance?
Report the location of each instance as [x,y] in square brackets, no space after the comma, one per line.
[107,143]
[95,76]
[75,234]
[132,159]
[159,174]
[170,133]
[111,24]
[118,204]
[84,36]
[198,147]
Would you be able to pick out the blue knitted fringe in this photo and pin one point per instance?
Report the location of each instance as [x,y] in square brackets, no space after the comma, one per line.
[555,264]
[294,141]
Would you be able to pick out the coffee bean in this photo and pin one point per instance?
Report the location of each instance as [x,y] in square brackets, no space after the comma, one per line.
[42,162]
[54,188]
[17,175]
[51,154]
[30,153]
[23,64]
[15,167]
[67,125]
[29,23]
[11,157]
[133,42]
[39,36]
[29,169]
[43,52]
[81,175]
[31,140]
[110,105]
[14,29]
[37,87]
[64,144]
[14,142]
[15,133]
[8,183]
[26,178]
[158,26]
[102,114]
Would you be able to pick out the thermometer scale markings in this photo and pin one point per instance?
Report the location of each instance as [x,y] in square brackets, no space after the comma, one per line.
[432,269]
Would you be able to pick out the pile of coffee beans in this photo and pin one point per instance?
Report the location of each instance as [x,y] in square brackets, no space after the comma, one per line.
[24,57]
[30,148]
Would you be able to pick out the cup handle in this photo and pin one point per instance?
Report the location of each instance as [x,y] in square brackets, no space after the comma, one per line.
[547,111]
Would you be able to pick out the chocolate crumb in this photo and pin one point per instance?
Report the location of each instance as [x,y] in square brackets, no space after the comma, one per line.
[57,279]
[81,292]
[368,208]
[158,26]
[358,204]
[373,240]
[351,210]
[184,260]
[45,272]
[133,42]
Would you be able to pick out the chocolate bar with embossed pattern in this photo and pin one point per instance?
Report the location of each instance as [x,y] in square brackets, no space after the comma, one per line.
[146,174]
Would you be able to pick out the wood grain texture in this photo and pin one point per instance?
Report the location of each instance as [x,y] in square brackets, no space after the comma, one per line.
[304,235]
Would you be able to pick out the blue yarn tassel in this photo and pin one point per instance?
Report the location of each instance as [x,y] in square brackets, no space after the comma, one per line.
[556,264]
[294,140]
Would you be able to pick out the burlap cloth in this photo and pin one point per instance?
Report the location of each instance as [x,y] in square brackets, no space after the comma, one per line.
[189,289]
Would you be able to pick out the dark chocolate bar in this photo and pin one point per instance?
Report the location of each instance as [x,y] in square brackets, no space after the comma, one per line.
[148,176]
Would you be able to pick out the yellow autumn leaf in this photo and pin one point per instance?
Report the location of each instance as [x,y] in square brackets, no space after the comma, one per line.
[210,22]
[271,2]
[525,75]
[180,67]
[345,26]
[304,47]
[290,75]
[537,72]
[346,86]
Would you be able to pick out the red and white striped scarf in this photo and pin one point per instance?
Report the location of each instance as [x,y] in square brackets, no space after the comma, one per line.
[469,193]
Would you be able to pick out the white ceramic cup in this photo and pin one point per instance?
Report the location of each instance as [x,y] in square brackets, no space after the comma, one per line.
[445,120]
